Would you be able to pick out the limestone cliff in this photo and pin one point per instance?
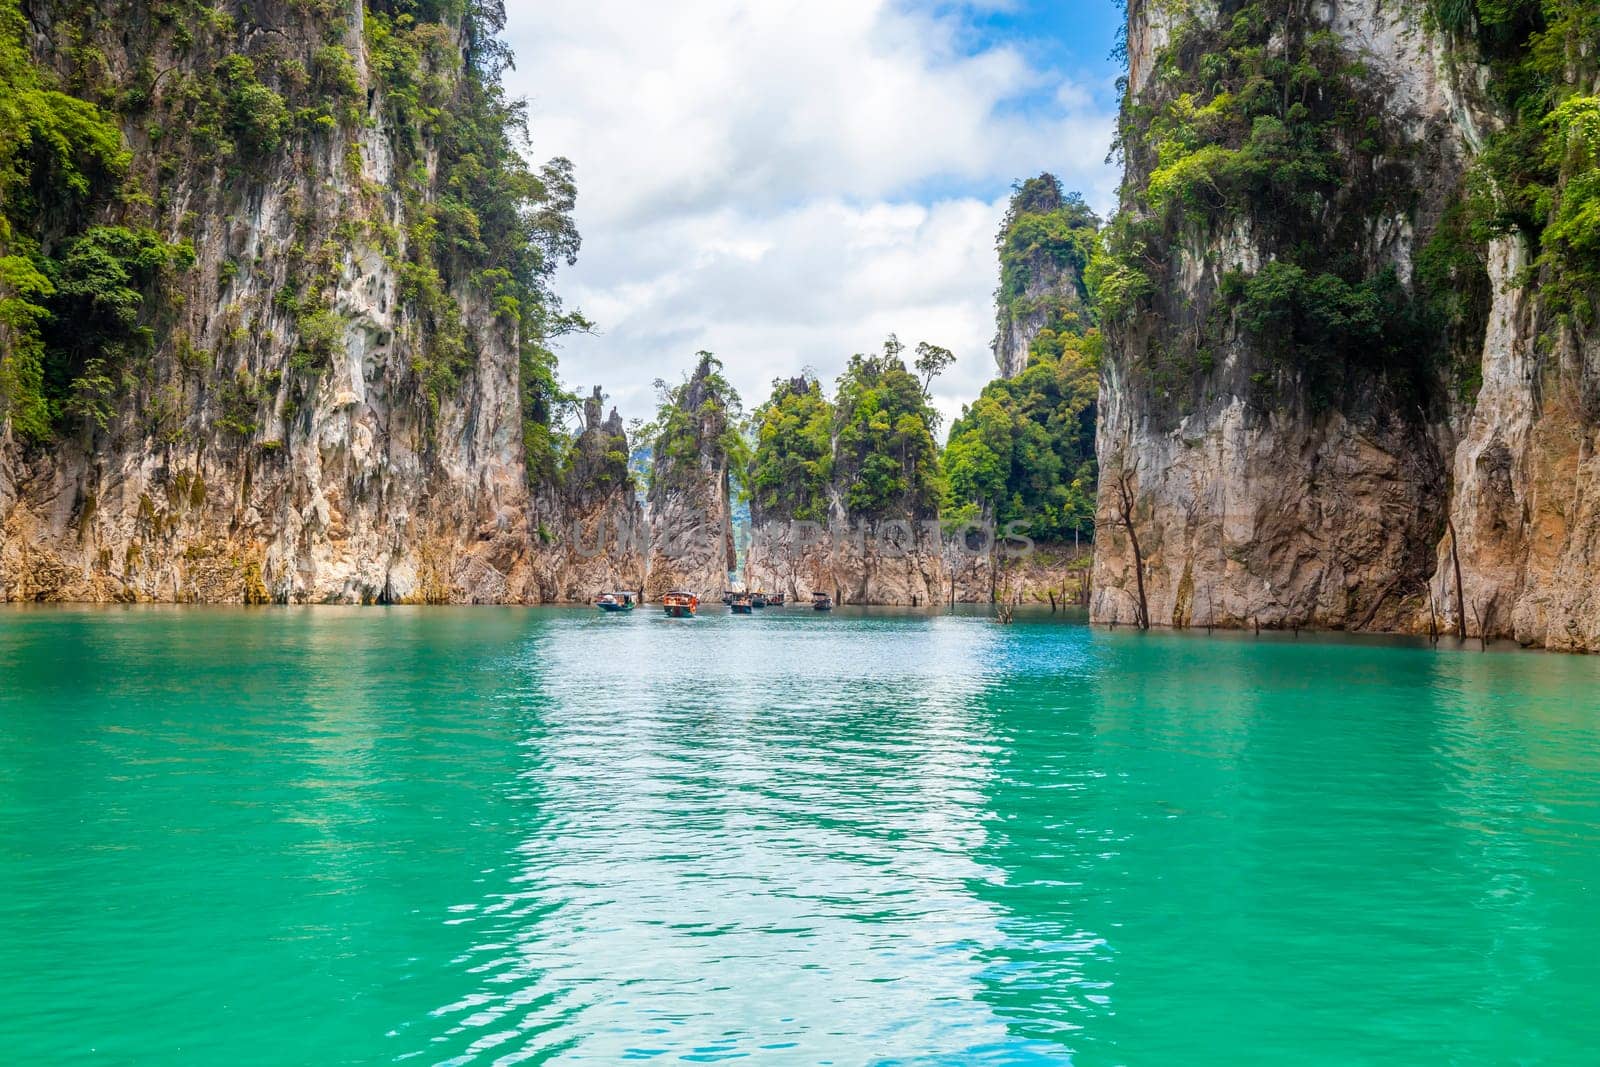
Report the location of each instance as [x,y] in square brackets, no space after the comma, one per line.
[1041,270]
[1020,459]
[691,518]
[320,393]
[893,561]
[601,530]
[841,498]
[1325,354]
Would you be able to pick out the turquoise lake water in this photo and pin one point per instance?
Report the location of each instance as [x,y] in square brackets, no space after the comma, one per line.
[535,835]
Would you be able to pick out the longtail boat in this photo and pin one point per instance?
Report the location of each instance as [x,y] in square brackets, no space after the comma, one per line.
[774,600]
[821,602]
[614,601]
[758,600]
[741,603]
[679,604]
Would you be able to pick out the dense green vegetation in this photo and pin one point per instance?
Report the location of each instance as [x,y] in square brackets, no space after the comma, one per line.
[72,294]
[1024,450]
[1046,234]
[792,463]
[95,324]
[885,460]
[1263,121]
[1540,175]
[871,445]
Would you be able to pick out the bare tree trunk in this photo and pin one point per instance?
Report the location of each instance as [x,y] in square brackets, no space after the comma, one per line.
[1484,615]
[1461,602]
[1125,501]
[1004,604]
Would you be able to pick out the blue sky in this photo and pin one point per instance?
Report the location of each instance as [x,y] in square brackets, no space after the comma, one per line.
[786,182]
[1075,37]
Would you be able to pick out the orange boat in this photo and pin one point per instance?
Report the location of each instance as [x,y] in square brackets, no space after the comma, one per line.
[680,605]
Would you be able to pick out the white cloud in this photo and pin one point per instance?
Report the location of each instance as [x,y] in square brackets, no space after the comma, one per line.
[784,183]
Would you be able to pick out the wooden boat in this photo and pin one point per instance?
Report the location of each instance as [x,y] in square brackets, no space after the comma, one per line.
[774,600]
[679,604]
[758,600]
[741,603]
[614,601]
[821,602]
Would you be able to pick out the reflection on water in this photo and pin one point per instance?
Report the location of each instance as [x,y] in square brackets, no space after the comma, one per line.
[499,836]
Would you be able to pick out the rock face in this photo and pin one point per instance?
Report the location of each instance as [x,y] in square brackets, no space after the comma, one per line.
[898,562]
[691,519]
[1262,493]
[1526,487]
[1037,290]
[804,537]
[226,472]
[603,530]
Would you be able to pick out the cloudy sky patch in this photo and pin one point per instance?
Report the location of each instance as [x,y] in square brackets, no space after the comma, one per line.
[785,183]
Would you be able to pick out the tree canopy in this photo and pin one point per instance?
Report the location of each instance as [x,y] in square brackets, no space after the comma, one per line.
[792,464]
[871,447]
[1024,450]
[698,428]
[886,462]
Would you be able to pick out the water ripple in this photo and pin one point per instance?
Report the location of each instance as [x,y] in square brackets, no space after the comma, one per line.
[509,836]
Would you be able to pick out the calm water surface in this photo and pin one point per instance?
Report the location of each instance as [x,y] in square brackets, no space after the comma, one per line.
[497,836]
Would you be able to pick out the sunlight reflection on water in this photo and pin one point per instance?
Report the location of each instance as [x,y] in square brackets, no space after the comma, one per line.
[499,836]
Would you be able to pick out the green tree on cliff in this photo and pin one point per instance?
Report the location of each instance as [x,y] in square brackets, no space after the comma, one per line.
[1048,236]
[1024,451]
[699,427]
[886,462]
[793,460]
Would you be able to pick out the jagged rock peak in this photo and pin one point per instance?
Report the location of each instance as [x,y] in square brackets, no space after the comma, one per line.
[691,517]
[1044,245]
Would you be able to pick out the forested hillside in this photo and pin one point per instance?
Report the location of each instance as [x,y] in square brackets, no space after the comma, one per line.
[1023,453]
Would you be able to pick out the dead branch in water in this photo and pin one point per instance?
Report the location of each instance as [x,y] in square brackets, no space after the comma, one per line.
[1461,602]
[1483,615]
[1433,617]
[1125,503]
